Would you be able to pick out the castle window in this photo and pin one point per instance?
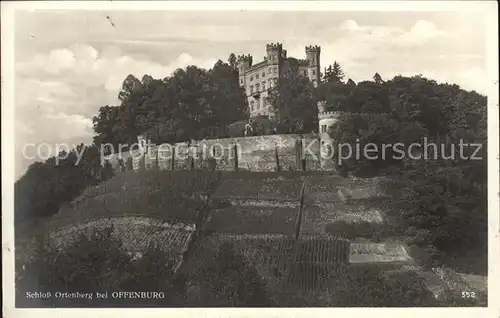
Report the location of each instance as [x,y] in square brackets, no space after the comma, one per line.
[216,152]
[252,105]
[314,72]
[263,85]
[257,87]
[241,81]
[263,74]
[251,78]
[275,70]
[323,128]
[251,89]
[305,73]
[256,76]
[258,105]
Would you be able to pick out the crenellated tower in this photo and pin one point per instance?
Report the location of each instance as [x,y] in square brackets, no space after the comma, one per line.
[313,59]
[243,63]
[257,78]
[274,53]
[326,120]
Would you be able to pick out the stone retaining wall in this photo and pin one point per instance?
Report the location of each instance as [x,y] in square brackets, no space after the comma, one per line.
[258,153]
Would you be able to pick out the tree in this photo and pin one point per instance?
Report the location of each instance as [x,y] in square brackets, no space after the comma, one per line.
[130,85]
[377,78]
[294,101]
[232,61]
[443,201]
[334,73]
[47,185]
[233,282]
[191,104]
[95,262]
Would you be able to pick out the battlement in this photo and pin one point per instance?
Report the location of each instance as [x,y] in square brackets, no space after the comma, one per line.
[331,114]
[313,48]
[244,57]
[274,46]
[303,62]
[336,114]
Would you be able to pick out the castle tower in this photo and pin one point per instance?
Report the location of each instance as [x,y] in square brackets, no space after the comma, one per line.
[321,106]
[274,53]
[243,63]
[142,141]
[326,120]
[313,60]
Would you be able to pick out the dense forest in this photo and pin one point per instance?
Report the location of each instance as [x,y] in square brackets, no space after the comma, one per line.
[445,205]
[440,187]
[193,103]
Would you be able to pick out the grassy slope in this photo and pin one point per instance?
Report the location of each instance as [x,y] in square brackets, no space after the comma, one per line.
[176,197]
[172,197]
[253,220]
[309,273]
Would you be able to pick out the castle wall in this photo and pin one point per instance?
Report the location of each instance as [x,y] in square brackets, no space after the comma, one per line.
[258,153]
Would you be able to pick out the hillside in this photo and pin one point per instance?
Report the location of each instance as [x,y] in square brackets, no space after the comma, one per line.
[345,242]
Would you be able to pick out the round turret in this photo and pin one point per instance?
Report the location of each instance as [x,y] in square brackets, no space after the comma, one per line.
[321,106]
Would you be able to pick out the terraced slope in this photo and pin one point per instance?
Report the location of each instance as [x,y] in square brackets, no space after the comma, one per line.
[313,272]
[252,220]
[261,189]
[256,215]
[141,205]
[136,233]
[317,216]
[174,197]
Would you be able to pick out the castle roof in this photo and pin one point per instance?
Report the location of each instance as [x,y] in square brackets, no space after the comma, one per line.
[258,66]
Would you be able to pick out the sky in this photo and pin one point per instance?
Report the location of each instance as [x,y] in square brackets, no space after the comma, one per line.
[69,63]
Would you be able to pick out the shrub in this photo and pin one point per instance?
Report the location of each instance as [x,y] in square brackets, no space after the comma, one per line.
[46,186]
[427,256]
[237,129]
[368,286]
[229,281]
[97,263]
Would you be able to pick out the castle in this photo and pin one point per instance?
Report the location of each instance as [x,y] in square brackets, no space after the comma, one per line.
[256,79]
[256,153]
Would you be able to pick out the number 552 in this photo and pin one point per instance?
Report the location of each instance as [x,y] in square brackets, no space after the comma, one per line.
[466,294]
